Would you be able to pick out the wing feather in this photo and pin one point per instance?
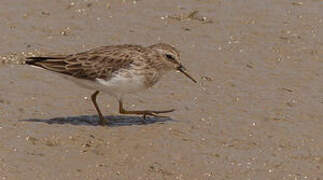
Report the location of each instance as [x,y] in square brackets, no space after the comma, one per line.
[96,63]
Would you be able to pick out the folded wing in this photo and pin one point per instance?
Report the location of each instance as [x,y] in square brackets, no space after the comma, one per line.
[96,63]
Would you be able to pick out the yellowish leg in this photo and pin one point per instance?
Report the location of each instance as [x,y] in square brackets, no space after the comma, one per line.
[102,121]
[143,112]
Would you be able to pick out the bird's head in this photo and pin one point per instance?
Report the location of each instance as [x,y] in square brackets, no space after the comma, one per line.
[171,58]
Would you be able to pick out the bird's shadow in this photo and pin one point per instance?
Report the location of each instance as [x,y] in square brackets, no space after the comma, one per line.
[93,120]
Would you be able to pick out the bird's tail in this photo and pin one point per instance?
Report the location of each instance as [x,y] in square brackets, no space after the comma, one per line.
[35,60]
[53,63]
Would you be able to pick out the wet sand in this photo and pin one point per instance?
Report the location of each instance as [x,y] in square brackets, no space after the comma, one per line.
[257,114]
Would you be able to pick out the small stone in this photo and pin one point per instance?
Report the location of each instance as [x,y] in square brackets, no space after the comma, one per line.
[297,3]
[45,13]
[206,78]
[63,33]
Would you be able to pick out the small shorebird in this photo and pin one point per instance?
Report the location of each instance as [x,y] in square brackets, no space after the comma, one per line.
[116,70]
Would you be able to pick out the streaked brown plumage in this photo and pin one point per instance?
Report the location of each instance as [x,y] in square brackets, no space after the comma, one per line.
[116,70]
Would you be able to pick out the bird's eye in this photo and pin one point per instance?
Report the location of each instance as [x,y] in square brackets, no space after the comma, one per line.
[170,57]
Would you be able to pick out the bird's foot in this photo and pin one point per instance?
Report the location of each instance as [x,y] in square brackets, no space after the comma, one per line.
[146,113]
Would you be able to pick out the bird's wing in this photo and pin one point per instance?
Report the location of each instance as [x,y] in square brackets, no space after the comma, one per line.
[96,63]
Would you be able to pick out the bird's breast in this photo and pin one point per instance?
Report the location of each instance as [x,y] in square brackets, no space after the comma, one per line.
[123,82]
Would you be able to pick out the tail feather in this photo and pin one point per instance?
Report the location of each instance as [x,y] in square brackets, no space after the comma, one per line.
[34,60]
[56,64]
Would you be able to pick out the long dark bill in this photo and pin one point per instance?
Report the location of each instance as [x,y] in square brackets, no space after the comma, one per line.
[182,70]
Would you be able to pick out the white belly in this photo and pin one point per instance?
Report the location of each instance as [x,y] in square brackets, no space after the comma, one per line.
[117,86]
[122,85]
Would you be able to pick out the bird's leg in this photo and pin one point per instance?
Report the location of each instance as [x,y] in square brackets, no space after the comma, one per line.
[143,112]
[102,121]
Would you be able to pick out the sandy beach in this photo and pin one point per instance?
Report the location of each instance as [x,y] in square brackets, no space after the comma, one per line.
[257,112]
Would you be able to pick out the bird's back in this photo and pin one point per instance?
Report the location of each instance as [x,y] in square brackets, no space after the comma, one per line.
[99,62]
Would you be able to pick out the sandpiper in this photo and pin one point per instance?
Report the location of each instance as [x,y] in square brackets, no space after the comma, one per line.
[116,70]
